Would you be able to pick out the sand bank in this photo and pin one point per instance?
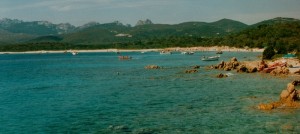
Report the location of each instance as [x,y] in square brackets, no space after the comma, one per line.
[195,49]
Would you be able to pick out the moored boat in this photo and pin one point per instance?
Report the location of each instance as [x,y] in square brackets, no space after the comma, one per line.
[187,53]
[211,58]
[165,52]
[74,52]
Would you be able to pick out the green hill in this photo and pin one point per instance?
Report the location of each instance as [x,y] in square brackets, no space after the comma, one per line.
[285,35]
[281,33]
[49,38]
[7,37]
[277,20]
[118,33]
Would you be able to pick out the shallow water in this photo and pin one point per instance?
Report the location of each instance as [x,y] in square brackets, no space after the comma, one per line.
[98,93]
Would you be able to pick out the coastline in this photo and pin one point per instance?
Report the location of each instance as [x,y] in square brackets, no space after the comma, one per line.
[195,49]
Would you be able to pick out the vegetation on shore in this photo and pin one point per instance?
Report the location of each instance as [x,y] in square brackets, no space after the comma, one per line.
[281,37]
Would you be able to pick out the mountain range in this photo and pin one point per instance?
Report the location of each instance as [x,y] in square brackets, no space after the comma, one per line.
[13,31]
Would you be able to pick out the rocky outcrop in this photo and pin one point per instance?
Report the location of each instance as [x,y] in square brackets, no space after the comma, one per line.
[277,68]
[280,71]
[231,65]
[290,93]
[234,64]
[288,98]
[152,67]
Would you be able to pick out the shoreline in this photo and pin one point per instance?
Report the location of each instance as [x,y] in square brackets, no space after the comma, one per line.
[195,49]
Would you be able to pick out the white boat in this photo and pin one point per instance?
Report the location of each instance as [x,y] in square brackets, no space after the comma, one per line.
[165,52]
[74,53]
[187,53]
[211,58]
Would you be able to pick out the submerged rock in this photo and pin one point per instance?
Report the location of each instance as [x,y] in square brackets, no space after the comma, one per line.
[121,128]
[196,67]
[191,71]
[143,131]
[266,106]
[152,67]
[221,75]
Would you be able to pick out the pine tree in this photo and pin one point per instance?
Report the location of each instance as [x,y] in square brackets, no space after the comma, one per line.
[268,53]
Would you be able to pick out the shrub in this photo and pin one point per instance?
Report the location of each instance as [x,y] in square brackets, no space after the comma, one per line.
[268,53]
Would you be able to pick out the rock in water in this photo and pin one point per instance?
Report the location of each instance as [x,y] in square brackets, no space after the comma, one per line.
[221,75]
[191,71]
[152,67]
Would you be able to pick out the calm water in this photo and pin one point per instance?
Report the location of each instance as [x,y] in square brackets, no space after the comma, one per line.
[97,93]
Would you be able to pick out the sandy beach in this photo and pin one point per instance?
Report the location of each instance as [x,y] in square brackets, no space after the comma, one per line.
[195,49]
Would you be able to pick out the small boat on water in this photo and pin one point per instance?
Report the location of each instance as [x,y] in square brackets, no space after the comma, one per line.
[187,53]
[211,58]
[125,57]
[219,52]
[165,52]
[74,52]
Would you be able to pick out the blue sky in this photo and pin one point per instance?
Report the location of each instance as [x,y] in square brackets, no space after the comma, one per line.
[79,12]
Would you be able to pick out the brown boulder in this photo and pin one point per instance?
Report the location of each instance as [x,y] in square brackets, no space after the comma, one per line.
[227,68]
[251,69]
[298,94]
[220,65]
[280,71]
[242,68]
[235,64]
[290,87]
[266,106]
[284,95]
[233,59]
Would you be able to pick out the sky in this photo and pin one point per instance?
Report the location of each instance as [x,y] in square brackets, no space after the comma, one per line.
[79,12]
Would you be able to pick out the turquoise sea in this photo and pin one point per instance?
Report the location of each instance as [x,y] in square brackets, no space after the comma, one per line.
[98,93]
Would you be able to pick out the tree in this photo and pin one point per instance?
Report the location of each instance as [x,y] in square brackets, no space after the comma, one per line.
[280,47]
[268,53]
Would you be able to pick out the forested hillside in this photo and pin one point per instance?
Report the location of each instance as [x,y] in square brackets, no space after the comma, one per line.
[283,34]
